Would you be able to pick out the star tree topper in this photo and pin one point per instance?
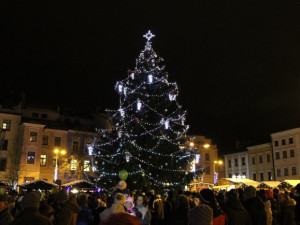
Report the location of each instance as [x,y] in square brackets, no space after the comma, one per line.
[149,35]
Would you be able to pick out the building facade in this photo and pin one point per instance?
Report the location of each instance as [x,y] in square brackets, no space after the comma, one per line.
[236,164]
[286,151]
[261,162]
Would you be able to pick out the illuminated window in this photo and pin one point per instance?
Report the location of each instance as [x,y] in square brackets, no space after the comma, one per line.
[45,140]
[74,164]
[86,165]
[57,141]
[6,125]
[30,157]
[33,136]
[43,160]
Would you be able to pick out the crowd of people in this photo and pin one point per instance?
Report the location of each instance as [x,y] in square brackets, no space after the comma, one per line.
[247,206]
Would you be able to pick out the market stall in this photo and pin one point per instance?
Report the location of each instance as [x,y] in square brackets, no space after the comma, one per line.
[38,185]
[268,184]
[238,182]
[79,186]
[288,184]
[196,187]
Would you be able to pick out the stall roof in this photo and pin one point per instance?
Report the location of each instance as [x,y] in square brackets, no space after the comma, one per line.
[79,184]
[245,181]
[270,184]
[3,183]
[38,184]
[293,183]
[221,186]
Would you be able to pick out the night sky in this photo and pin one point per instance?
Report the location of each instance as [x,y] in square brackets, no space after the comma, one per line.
[237,64]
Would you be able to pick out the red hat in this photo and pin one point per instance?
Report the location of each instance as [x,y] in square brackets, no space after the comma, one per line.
[269,194]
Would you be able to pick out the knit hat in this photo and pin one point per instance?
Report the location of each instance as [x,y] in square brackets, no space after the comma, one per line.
[207,196]
[30,200]
[249,192]
[200,215]
[269,194]
[130,199]
[62,195]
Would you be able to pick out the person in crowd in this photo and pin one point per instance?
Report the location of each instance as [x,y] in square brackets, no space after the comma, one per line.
[221,199]
[121,219]
[47,211]
[200,215]
[180,214]
[141,205]
[287,206]
[130,207]
[101,207]
[207,197]
[274,207]
[276,193]
[5,215]
[117,207]
[30,214]
[236,213]
[297,207]
[69,209]
[157,211]
[267,203]
[254,206]
[85,214]
[169,204]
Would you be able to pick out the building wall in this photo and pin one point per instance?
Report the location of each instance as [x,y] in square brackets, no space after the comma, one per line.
[240,168]
[261,162]
[286,151]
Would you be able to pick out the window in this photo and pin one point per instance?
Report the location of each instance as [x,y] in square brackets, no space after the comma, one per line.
[30,157]
[43,160]
[283,142]
[4,145]
[74,164]
[44,116]
[278,172]
[45,140]
[260,159]
[86,165]
[57,141]
[284,154]
[294,170]
[268,158]
[229,175]
[35,115]
[276,143]
[236,163]
[229,163]
[254,176]
[277,155]
[244,174]
[33,136]
[269,175]
[236,174]
[261,175]
[6,125]
[291,141]
[292,153]
[243,161]
[253,160]
[75,145]
[3,162]
[286,171]
[207,157]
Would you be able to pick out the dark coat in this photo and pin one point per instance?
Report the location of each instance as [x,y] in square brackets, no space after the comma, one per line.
[287,215]
[6,217]
[256,210]
[275,207]
[179,217]
[236,213]
[68,213]
[297,208]
[31,216]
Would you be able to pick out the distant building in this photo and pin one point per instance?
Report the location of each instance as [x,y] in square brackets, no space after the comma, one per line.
[261,162]
[286,151]
[236,164]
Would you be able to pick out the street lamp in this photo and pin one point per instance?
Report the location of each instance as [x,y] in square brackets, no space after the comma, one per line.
[57,151]
[220,162]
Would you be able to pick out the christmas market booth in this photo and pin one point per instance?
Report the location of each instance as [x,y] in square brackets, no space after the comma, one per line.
[197,187]
[38,185]
[237,182]
[79,186]
[268,184]
[288,184]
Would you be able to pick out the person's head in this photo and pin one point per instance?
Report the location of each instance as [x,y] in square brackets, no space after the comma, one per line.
[30,200]
[82,201]
[207,197]
[142,200]
[196,201]
[62,196]
[122,185]
[232,194]
[129,203]
[262,195]
[283,197]
[249,192]
[3,203]
[121,219]
[120,198]
[48,211]
[182,202]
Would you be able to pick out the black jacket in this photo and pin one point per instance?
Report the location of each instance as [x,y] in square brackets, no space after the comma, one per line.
[287,215]
[31,216]
[236,213]
[256,210]
[6,217]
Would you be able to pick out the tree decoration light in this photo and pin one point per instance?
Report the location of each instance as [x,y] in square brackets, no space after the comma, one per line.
[149,128]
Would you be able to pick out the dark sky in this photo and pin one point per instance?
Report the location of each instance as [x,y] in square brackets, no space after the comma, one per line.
[237,64]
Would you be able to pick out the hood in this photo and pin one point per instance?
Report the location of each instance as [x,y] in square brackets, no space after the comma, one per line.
[288,202]
[235,204]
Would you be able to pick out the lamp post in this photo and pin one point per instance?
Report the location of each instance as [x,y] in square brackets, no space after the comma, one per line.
[220,162]
[57,151]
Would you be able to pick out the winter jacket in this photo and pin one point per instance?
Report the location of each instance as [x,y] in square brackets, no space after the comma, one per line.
[275,207]
[179,217]
[68,213]
[84,217]
[115,208]
[287,215]
[31,216]
[297,208]
[146,215]
[236,213]
[6,217]
[157,210]
[200,215]
[256,210]
[268,212]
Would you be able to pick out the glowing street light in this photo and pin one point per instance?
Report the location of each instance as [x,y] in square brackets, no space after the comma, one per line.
[57,151]
[206,145]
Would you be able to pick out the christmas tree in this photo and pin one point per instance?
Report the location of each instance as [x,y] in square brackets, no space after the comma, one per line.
[149,137]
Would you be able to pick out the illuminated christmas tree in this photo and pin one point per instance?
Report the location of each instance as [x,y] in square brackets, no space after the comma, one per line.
[149,137]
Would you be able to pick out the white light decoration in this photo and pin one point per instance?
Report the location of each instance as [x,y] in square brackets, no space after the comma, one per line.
[125,90]
[132,76]
[127,156]
[90,149]
[150,79]
[120,88]
[120,133]
[149,35]
[162,121]
[138,105]
[167,124]
[197,158]
[122,112]
[193,166]
[172,97]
